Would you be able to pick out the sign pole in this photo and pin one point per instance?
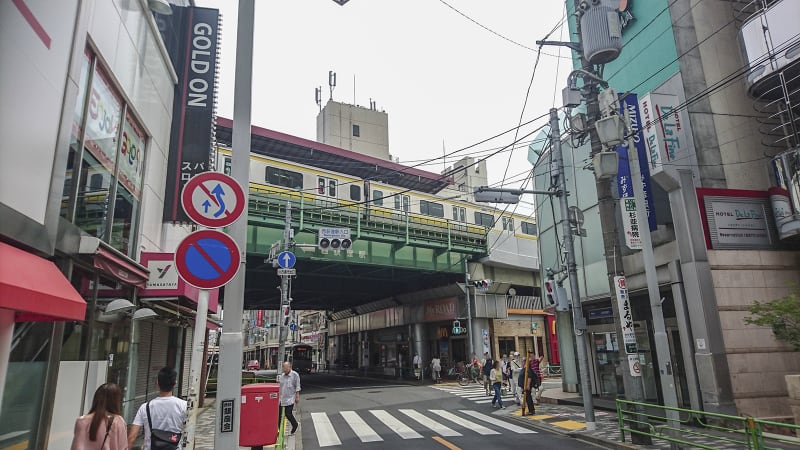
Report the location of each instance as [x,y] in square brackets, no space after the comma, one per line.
[285,302]
[196,365]
[226,433]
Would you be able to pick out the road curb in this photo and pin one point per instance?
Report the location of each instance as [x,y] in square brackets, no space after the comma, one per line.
[581,435]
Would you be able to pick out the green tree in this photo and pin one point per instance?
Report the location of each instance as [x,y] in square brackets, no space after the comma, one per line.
[782,315]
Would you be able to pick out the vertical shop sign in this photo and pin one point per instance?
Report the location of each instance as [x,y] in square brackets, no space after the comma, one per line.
[193,106]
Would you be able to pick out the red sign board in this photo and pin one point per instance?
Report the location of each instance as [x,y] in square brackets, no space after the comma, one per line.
[213,199]
[207,259]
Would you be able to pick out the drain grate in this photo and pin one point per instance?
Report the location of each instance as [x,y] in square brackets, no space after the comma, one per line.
[314,398]
[374,392]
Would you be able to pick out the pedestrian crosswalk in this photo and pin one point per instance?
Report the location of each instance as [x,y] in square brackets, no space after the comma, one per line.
[473,392]
[378,425]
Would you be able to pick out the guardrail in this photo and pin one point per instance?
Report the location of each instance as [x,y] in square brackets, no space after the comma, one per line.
[747,432]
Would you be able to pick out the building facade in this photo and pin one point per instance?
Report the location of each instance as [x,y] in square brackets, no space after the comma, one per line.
[82,203]
[720,242]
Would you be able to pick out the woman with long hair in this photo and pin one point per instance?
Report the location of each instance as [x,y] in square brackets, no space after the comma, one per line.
[104,427]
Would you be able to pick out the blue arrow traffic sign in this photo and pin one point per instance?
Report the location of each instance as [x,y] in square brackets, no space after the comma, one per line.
[293,326]
[286,260]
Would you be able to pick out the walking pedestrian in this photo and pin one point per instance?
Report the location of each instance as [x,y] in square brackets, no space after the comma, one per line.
[537,376]
[417,361]
[163,415]
[289,382]
[496,377]
[488,364]
[515,367]
[104,427]
[436,367]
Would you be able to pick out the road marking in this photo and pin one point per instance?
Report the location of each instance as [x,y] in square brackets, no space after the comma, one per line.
[360,428]
[326,435]
[569,424]
[498,422]
[446,443]
[478,428]
[484,401]
[395,425]
[435,426]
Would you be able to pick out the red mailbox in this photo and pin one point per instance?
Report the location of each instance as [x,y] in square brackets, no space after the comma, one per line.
[259,423]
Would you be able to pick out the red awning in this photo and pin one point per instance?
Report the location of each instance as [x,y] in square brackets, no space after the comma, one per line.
[36,289]
[112,262]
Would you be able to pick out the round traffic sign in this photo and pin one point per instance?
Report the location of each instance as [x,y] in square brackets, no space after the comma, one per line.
[213,199]
[207,259]
[286,259]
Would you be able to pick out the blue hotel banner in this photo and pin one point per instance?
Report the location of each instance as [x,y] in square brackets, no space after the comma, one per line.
[630,103]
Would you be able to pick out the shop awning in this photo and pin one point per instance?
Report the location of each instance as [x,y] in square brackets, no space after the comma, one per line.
[112,262]
[36,289]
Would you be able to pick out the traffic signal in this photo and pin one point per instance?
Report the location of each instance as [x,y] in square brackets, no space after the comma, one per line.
[458,329]
[285,311]
[270,325]
[551,292]
[335,243]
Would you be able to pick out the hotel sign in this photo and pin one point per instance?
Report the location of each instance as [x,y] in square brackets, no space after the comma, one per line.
[740,223]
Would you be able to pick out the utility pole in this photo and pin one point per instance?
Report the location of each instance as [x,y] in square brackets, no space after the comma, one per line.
[285,299]
[634,387]
[572,270]
[470,334]
[226,434]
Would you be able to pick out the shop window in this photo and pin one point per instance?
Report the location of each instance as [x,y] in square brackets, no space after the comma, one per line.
[105,169]
[506,345]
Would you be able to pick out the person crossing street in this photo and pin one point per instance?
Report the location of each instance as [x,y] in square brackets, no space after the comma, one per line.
[289,382]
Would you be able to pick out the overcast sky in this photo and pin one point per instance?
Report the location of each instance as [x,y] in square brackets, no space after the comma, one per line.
[439,76]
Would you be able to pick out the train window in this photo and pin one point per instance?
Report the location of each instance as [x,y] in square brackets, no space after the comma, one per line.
[326,186]
[377,197]
[355,193]
[487,220]
[285,178]
[529,228]
[431,208]
[226,166]
[508,223]
[404,199]
[459,214]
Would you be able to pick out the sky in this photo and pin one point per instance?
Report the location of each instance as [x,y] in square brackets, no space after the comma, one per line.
[445,81]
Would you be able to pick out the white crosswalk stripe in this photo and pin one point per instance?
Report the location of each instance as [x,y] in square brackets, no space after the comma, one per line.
[326,435]
[480,429]
[498,422]
[395,425]
[435,426]
[401,423]
[474,393]
[359,427]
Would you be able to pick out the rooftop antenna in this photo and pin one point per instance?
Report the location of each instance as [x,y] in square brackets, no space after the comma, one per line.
[331,81]
[318,97]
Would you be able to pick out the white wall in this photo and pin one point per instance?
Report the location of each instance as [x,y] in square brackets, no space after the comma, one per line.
[32,90]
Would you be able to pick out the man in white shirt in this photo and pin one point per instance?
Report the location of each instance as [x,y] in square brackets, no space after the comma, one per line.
[289,382]
[167,413]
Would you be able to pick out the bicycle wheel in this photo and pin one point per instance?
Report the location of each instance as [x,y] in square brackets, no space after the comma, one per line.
[463,380]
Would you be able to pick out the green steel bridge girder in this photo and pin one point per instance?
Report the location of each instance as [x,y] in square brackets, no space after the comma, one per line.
[395,242]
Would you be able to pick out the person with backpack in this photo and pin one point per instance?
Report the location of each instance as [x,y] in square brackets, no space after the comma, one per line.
[528,381]
[163,416]
[488,364]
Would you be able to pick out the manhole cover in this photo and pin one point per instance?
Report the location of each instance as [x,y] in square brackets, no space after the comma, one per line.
[314,398]
[374,392]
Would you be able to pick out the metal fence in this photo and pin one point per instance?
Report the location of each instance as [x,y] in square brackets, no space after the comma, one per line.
[700,429]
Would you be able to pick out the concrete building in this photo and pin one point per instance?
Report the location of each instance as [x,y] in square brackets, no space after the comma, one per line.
[722,238]
[88,90]
[355,128]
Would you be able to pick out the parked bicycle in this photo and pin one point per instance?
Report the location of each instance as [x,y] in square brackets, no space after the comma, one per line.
[551,371]
[469,375]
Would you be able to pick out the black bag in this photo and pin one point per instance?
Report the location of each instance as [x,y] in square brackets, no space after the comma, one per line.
[160,439]
[487,368]
[521,379]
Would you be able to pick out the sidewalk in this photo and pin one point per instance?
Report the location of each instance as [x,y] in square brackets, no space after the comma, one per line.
[563,412]
[206,421]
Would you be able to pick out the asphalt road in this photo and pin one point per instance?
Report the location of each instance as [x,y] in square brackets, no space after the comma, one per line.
[350,413]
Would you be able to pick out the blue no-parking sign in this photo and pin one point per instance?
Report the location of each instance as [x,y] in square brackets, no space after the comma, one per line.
[207,259]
